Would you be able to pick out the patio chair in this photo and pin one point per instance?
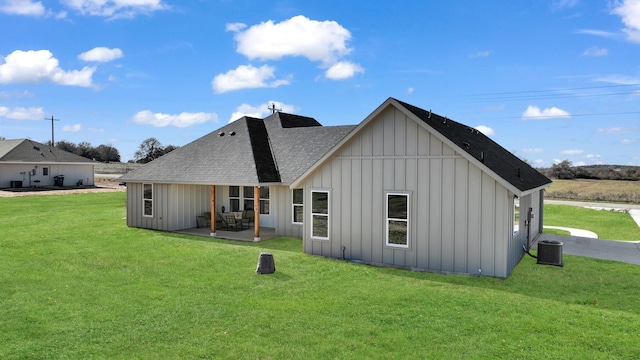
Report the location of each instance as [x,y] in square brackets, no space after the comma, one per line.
[221,222]
[207,217]
[248,217]
[233,223]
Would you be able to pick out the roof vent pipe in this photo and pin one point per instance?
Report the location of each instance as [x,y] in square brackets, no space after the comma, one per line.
[482,156]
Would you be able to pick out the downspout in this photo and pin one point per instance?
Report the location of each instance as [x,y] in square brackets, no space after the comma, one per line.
[527,223]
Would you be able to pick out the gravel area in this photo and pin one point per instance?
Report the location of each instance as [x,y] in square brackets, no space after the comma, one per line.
[101,186]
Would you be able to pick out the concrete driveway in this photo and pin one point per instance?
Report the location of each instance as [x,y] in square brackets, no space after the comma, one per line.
[623,251]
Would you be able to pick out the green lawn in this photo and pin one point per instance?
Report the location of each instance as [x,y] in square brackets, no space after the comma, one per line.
[75,282]
[608,225]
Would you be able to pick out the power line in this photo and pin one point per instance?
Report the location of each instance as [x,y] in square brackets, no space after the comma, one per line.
[546,94]
[566,116]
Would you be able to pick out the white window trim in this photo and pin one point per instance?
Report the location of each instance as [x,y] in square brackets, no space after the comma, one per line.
[293,207]
[144,200]
[387,219]
[327,215]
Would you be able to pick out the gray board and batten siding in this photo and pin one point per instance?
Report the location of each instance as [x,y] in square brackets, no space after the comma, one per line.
[461,214]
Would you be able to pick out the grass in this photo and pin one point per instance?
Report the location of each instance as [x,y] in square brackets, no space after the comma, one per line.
[617,191]
[75,282]
[607,224]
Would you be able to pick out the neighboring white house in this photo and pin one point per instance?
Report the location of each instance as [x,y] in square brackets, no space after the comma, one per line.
[405,188]
[26,163]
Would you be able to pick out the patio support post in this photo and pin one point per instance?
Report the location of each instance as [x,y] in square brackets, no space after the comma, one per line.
[256,212]
[212,191]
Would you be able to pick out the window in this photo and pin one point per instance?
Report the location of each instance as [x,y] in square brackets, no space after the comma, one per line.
[320,214]
[516,216]
[147,200]
[398,220]
[264,200]
[297,203]
[234,198]
[246,199]
[45,171]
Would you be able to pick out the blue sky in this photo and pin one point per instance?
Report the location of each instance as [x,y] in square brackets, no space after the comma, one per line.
[548,80]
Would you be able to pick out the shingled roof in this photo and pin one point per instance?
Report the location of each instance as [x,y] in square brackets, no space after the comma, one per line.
[248,151]
[499,160]
[29,151]
[469,142]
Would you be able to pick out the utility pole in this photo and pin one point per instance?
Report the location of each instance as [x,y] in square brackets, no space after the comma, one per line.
[53,144]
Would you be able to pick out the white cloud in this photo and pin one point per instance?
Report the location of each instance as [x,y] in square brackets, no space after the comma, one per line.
[246,77]
[182,120]
[629,11]
[485,130]
[101,54]
[343,70]
[533,151]
[235,27]
[318,41]
[260,111]
[22,7]
[579,163]
[115,8]
[20,113]
[628,141]
[600,33]
[299,36]
[35,66]
[593,156]
[410,90]
[619,79]
[72,128]
[595,51]
[563,4]
[572,152]
[534,112]
[481,54]
[617,130]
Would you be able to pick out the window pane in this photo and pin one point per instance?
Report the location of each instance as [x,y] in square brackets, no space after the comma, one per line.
[264,192]
[320,226]
[298,213]
[234,191]
[45,171]
[234,204]
[397,232]
[320,202]
[248,204]
[298,197]
[148,208]
[147,191]
[397,207]
[264,206]
[247,192]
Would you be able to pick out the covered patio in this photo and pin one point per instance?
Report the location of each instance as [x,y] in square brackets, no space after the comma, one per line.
[242,235]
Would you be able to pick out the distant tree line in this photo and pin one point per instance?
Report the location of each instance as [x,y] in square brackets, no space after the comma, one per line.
[565,170]
[148,150]
[102,153]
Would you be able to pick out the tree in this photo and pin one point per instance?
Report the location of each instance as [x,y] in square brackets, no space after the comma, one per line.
[87,150]
[67,146]
[148,151]
[562,170]
[108,153]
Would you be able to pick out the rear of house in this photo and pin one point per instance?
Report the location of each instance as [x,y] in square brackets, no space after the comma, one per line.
[404,188]
[26,163]
[399,192]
